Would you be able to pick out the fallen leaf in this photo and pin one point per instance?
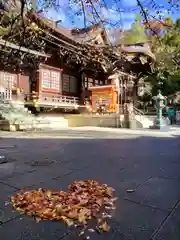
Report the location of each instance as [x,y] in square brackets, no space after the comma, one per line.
[38,219]
[104,227]
[68,221]
[83,201]
[49,194]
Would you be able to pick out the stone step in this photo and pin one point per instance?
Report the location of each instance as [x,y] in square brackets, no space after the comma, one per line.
[53,122]
[19,116]
[145,121]
[16,115]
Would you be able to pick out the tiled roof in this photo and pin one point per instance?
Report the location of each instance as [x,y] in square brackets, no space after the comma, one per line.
[57,28]
[79,35]
[85,35]
[88,34]
[138,49]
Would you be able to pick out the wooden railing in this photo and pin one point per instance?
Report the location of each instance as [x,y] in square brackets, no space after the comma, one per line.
[51,100]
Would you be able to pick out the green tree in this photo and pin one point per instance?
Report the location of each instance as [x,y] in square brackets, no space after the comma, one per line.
[168,52]
[167,67]
[137,32]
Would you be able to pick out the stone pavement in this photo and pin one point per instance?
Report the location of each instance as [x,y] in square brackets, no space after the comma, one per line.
[150,166]
[94,133]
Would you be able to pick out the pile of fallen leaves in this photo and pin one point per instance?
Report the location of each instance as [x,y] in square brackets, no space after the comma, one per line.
[86,205]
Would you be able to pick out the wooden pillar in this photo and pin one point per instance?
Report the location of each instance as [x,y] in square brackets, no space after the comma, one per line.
[18,80]
[83,90]
[135,91]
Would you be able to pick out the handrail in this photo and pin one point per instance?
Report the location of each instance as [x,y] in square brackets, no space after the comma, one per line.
[137,111]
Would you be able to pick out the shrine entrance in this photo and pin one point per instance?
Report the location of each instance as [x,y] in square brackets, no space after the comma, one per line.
[103,99]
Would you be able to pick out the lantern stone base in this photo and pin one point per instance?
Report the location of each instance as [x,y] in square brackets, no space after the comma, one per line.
[160,124]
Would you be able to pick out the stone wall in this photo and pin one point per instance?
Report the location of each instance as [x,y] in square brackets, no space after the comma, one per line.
[92,120]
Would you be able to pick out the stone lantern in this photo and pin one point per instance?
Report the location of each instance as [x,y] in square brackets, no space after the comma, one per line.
[160,103]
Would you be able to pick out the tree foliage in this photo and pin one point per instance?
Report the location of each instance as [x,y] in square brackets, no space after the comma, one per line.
[156,27]
[168,50]
[167,67]
[137,32]
[34,33]
[22,32]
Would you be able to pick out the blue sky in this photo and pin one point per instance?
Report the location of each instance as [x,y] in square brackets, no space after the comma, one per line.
[122,13]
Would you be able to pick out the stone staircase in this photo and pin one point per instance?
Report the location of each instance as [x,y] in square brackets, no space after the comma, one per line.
[147,121]
[15,117]
[143,120]
[53,122]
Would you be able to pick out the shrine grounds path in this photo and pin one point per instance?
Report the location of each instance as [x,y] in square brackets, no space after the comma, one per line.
[144,170]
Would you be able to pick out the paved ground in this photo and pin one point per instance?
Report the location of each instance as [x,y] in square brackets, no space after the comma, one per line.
[96,132]
[149,165]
